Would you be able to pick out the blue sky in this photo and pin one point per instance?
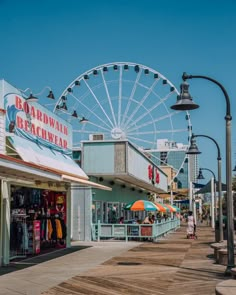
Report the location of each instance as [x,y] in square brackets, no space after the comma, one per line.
[51,42]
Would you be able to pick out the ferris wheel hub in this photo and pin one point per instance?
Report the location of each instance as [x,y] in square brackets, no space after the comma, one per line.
[117,133]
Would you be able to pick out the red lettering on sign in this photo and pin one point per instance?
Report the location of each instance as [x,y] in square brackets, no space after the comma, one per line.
[19,122]
[39,115]
[51,137]
[65,130]
[45,119]
[29,120]
[38,131]
[32,112]
[150,171]
[33,129]
[157,176]
[65,144]
[51,122]
[26,107]
[18,103]
[44,134]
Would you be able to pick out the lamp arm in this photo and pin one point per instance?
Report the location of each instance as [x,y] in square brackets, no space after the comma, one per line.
[210,171]
[46,87]
[228,116]
[25,90]
[218,148]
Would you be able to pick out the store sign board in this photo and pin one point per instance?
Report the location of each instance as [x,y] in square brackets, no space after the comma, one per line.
[153,174]
[35,122]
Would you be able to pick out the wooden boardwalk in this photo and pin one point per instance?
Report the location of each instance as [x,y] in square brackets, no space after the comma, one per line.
[172,266]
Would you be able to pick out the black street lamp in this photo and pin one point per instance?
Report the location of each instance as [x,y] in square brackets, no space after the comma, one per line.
[185,102]
[200,176]
[194,150]
[33,97]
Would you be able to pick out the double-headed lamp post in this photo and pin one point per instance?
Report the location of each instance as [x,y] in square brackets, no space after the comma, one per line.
[193,151]
[185,102]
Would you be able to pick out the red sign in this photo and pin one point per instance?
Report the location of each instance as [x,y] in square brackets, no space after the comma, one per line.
[157,176]
[151,173]
[36,121]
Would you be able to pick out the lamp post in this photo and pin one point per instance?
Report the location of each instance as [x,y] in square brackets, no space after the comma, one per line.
[185,102]
[213,191]
[192,150]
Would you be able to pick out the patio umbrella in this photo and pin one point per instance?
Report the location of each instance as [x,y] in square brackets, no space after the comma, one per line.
[162,207]
[176,208]
[141,205]
[172,208]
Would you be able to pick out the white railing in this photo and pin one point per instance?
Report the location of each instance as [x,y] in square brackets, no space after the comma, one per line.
[128,231]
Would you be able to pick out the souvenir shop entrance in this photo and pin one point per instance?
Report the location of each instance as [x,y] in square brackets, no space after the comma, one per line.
[37,221]
[35,209]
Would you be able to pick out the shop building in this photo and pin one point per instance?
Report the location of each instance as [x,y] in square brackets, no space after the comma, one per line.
[120,165]
[37,178]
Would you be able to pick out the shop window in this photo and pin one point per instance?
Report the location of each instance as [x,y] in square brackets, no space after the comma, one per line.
[97,212]
[113,212]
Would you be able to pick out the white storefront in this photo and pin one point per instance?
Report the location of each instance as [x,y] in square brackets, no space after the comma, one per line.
[36,175]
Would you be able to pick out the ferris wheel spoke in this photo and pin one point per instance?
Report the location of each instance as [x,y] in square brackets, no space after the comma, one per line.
[99,126]
[138,139]
[142,102]
[159,131]
[90,110]
[101,107]
[172,131]
[95,125]
[151,122]
[90,132]
[162,100]
[150,152]
[155,106]
[120,96]
[109,98]
[131,97]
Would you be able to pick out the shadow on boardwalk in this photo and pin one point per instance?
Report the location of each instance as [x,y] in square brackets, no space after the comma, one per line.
[174,265]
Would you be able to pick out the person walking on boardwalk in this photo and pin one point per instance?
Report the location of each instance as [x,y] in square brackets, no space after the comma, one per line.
[191,223]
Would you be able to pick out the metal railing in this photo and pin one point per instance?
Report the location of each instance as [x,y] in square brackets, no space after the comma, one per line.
[131,231]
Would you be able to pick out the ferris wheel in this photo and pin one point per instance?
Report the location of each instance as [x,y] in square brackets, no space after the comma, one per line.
[123,101]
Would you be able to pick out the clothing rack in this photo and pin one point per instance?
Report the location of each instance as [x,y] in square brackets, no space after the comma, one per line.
[18,250]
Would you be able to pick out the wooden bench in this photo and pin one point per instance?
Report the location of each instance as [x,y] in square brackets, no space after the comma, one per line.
[217,247]
[227,287]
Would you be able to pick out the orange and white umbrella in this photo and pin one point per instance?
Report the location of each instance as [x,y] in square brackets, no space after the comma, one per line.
[172,208]
[141,205]
[161,207]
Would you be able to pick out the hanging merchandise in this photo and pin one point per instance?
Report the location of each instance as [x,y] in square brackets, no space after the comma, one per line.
[38,221]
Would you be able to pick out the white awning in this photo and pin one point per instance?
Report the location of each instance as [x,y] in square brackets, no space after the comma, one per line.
[43,156]
[54,161]
[85,182]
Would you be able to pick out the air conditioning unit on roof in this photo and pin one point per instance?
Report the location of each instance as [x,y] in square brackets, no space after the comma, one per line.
[96,136]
